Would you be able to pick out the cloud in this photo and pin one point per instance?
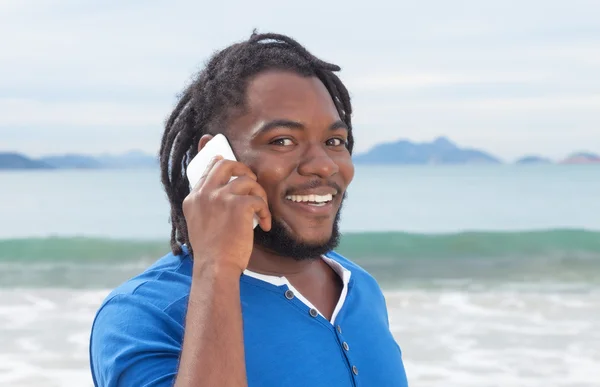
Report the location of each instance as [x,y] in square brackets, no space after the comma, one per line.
[382,82]
[480,72]
[25,112]
[492,105]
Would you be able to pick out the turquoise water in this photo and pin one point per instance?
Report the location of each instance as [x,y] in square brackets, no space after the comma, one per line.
[396,259]
[404,224]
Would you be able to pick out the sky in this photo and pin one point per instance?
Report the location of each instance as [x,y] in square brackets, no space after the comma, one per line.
[509,77]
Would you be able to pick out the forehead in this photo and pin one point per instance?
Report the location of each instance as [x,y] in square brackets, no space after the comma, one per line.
[286,95]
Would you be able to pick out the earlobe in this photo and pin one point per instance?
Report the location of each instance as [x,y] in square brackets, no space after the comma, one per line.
[203,140]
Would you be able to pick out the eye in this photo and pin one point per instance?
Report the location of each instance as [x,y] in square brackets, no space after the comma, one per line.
[282,142]
[335,142]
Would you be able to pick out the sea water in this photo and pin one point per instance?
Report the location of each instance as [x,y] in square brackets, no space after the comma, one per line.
[491,273]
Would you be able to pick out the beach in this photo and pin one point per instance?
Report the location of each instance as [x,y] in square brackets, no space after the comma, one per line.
[508,337]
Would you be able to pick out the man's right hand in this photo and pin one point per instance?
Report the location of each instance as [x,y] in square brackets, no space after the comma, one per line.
[219,215]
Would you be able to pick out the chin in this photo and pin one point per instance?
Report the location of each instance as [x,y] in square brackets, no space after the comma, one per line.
[313,236]
[311,242]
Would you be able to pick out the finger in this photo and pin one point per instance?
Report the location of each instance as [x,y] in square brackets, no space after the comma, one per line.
[261,209]
[244,185]
[224,170]
[209,167]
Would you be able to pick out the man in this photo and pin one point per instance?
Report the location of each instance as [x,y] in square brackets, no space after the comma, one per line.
[273,306]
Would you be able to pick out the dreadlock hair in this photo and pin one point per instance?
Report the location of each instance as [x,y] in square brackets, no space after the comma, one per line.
[217,93]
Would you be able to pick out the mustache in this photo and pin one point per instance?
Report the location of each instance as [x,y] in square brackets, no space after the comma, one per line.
[315,184]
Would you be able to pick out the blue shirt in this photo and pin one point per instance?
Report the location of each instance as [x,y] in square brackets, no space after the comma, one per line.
[137,334]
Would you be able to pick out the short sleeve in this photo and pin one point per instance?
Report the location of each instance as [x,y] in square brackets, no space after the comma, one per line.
[134,343]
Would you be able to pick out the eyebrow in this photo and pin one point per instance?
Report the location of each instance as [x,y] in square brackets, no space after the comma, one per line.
[282,123]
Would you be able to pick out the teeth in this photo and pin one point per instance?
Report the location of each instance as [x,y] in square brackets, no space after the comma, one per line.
[310,198]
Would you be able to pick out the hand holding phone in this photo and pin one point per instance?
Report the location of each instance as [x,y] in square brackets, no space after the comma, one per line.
[217,146]
[224,201]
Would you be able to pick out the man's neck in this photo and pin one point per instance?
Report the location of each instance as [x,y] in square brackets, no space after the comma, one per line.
[267,262]
[315,279]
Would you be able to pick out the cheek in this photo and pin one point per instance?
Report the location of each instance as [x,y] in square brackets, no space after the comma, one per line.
[346,170]
[271,179]
[270,173]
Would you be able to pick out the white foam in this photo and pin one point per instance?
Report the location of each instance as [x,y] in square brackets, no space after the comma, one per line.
[39,303]
[44,335]
[497,338]
[501,337]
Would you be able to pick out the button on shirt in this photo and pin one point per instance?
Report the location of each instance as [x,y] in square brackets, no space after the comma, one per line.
[138,331]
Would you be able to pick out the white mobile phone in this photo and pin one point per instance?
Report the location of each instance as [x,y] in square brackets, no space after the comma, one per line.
[218,145]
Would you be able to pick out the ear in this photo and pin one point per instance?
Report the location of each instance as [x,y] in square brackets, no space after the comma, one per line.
[203,140]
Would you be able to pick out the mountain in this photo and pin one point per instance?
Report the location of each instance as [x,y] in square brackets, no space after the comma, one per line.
[582,158]
[132,159]
[533,160]
[440,151]
[71,161]
[11,160]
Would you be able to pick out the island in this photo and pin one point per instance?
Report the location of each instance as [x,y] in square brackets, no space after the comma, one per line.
[11,160]
[440,151]
[582,158]
[526,160]
[71,161]
[128,160]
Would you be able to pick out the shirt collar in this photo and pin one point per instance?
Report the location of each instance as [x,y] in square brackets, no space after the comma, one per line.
[281,280]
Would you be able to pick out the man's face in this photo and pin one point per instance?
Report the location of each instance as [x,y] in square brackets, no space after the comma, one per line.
[292,137]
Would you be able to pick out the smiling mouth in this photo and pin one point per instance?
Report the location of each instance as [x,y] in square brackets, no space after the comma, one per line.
[312,200]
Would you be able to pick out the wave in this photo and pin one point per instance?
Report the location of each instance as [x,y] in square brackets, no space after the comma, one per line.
[472,244]
[394,258]
[80,250]
[368,245]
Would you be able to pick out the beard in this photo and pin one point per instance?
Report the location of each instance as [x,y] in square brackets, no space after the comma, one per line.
[282,241]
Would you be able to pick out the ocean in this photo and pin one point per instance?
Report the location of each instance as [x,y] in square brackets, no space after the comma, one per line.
[491,273]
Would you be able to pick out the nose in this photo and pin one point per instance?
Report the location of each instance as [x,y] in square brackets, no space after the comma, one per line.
[316,161]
